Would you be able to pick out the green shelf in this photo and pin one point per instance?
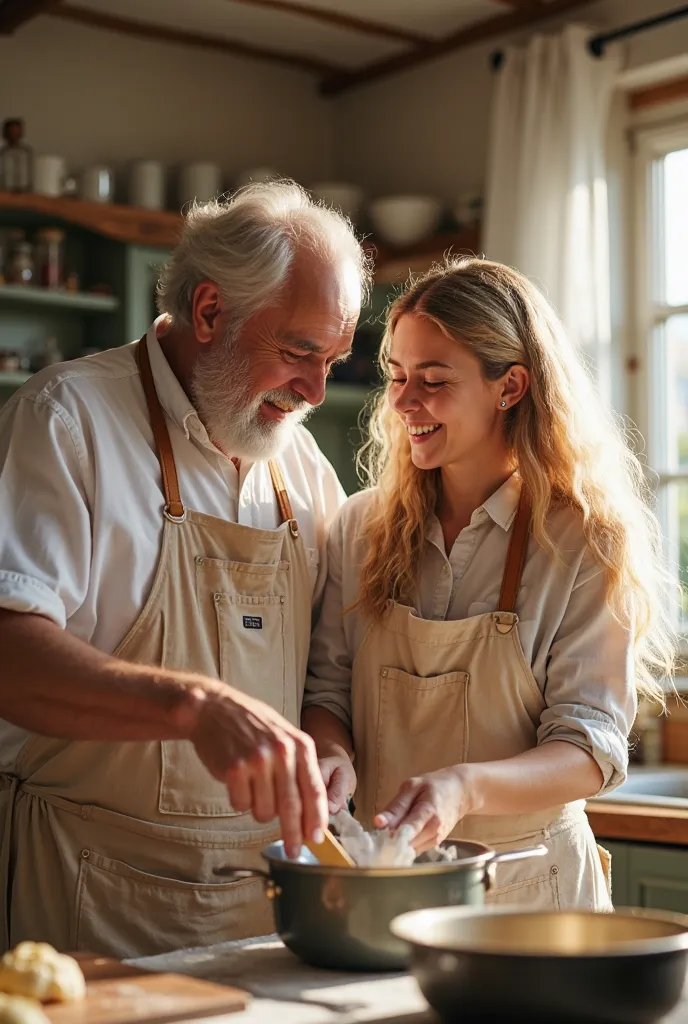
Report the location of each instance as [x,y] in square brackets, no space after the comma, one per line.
[10,379]
[84,301]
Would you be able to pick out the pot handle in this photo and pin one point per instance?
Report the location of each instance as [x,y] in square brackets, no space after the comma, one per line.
[498,858]
[237,874]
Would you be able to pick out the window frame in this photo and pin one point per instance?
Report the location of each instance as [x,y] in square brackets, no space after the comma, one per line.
[651,144]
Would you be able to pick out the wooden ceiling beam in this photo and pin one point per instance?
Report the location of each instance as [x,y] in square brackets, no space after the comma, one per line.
[167,34]
[348,21]
[14,13]
[477,33]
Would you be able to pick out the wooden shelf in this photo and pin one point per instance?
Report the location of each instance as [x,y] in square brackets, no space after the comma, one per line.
[121,223]
[86,302]
[392,266]
[147,227]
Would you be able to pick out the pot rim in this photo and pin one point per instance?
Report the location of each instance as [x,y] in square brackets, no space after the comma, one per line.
[479,859]
[405,927]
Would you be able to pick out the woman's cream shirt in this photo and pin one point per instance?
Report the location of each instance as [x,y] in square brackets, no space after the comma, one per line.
[580,655]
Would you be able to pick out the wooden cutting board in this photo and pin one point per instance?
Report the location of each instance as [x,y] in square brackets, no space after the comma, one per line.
[119,994]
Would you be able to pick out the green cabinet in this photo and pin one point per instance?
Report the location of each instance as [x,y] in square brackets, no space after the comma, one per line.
[337,427]
[649,875]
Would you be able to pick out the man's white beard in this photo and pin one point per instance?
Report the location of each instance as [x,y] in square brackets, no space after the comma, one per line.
[221,389]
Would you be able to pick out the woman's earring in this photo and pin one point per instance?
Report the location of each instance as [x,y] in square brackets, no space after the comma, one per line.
[503,404]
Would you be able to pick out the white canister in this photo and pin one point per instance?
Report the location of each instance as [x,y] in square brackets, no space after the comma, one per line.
[199,181]
[147,185]
[49,174]
[98,184]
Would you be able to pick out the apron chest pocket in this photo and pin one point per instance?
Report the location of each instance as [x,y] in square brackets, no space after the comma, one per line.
[422,726]
[251,644]
[130,913]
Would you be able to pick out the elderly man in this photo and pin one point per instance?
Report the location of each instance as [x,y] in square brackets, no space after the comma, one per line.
[162,547]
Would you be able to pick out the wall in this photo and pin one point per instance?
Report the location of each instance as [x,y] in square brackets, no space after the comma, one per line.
[427,129]
[141,99]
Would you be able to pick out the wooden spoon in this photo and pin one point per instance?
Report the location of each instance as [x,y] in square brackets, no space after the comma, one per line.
[330,852]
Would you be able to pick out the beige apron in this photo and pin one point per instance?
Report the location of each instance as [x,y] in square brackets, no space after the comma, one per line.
[429,694]
[114,847]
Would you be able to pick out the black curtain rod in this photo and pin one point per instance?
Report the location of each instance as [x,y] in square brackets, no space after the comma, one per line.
[597,44]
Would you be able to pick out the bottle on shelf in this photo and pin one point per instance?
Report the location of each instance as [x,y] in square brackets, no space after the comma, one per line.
[50,257]
[20,267]
[16,158]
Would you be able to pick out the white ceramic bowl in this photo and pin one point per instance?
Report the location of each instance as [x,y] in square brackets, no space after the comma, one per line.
[341,195]
[404,220]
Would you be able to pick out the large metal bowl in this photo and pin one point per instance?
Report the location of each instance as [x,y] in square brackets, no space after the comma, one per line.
[508,963]
[339,917]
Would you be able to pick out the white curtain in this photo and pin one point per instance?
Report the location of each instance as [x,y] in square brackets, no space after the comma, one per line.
[546,202]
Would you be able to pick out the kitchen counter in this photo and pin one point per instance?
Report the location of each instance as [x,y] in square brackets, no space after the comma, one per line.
[638,822]
[290,992]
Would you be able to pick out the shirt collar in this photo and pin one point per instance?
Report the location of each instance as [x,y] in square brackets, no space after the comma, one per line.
[171,394]
[501,506]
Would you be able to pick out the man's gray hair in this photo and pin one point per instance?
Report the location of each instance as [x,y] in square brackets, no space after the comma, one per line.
[246,246]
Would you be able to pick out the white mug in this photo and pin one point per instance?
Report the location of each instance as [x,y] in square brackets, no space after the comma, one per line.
[98,184]
[147,185]
[49,175]
[199,181]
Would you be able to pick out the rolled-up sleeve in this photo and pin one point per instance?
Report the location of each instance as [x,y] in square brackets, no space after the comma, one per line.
[45,538]
[328,684]
[590,689]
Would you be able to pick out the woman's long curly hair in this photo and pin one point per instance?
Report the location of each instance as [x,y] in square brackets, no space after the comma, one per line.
[565,443]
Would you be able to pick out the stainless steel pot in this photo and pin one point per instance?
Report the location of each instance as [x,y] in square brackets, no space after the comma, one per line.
[339,917]
[506,963]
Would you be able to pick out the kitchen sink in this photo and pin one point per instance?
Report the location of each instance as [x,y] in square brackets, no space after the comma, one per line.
[656,786]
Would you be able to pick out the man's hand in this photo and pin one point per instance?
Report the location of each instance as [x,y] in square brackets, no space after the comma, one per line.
[270,767]
[340,780]
[429,806]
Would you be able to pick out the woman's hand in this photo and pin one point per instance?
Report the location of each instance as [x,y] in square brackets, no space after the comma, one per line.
[428,806]
[339,778]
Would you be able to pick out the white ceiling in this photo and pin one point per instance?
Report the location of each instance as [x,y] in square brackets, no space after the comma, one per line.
[298,34]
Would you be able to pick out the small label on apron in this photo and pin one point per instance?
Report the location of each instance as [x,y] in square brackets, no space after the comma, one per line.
[253,622]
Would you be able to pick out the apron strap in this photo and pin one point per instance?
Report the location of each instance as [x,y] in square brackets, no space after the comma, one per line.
[515,558]
[174,509]
[286,512]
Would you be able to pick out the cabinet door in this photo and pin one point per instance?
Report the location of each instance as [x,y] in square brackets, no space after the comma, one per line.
[143,265]
[620,859]
[658,877]
[335,427]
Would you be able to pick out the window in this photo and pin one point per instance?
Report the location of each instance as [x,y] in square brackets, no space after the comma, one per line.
[662,295]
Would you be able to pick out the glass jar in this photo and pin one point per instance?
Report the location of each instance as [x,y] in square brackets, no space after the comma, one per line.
[20,266]
[50,257]
[16,158]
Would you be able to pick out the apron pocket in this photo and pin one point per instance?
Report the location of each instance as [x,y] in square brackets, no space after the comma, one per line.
[422,726]
[251,639]
[250,634]
[538,893]
[125,912]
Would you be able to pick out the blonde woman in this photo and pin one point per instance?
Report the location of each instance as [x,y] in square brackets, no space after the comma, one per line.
[494,600]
